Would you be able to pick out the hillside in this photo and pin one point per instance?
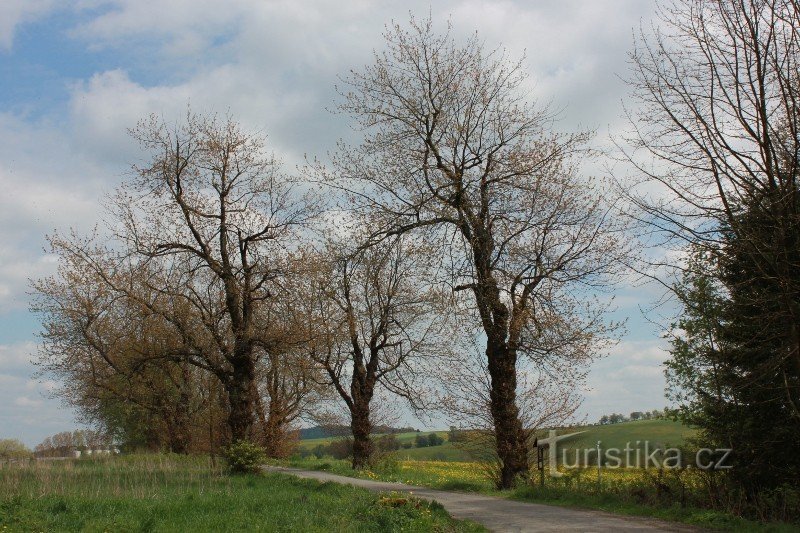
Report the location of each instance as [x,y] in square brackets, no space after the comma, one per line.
[657,432]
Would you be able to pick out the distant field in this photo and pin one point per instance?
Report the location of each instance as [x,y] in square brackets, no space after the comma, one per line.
[401,437]
[662,432]
[168,493]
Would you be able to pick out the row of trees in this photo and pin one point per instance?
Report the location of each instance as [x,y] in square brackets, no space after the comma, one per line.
[225,299]
[616,418]
[65,443]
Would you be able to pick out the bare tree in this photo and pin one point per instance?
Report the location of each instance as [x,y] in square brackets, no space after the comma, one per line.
[548,395]
[456,154]
[210,220]
[377,323]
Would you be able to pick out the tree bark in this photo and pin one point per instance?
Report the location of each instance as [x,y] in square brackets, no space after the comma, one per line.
[360,426]
[510,436]
[241,396]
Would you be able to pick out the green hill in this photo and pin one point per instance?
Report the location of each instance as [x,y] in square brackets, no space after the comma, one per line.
[657,432]
[663,432]
[644,435]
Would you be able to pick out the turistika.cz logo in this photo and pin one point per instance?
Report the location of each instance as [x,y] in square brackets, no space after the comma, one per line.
[643,454]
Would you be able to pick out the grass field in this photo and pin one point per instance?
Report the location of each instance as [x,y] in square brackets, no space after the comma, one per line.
[664,432]
[168,493]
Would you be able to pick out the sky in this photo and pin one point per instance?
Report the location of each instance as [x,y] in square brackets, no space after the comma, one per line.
[76,74]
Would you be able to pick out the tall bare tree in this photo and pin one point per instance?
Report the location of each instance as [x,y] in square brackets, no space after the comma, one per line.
[455,153]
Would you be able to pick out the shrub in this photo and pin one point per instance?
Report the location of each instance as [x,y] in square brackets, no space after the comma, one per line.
[244,457]
[341,448]
[387,443]
[385,464]
[435,440]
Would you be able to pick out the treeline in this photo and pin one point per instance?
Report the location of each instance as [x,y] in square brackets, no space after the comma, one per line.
[13,450]
[616,418]
[318,432]
[343,448]
[66,443]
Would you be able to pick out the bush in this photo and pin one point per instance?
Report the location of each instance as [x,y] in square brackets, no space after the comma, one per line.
[340,448]
[387,443]
[244,457]
[385,464]
[435,440]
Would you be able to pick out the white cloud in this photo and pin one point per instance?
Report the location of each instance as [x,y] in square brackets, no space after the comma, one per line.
[15,12]
[24,401]
[631,378]
[30,413]
[47,183]
[16,356]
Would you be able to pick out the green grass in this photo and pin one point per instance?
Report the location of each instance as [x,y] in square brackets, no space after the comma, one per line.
[443,452]
[663,432]
[168,493]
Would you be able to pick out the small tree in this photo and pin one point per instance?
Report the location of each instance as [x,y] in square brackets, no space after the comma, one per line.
[434,440]
[13,450]
[373,324]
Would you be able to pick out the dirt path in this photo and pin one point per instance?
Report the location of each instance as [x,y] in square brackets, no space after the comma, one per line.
[503,515]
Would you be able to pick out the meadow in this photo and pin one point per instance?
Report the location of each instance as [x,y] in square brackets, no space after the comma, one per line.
[152,493]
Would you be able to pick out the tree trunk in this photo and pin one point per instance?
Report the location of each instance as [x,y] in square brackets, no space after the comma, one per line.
[181,438]
[178,432]
[361,428]
[241,398]
[278,441]
[512,446]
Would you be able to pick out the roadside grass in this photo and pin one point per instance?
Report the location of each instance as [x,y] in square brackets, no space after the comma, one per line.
[152,493]
[623,491]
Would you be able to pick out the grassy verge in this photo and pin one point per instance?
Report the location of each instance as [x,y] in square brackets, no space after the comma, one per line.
[167,493]
[620,491]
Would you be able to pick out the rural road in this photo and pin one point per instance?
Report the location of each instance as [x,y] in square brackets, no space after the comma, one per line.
[500,514]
